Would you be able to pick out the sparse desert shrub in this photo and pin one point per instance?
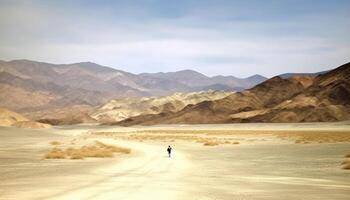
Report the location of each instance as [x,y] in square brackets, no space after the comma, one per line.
[300,137]
[346,164]
[235,142]
[95,151]
[76,156]
[55,143]
[205,137]
[55,153]
[298,141]
[347,156]
[98,150]
[306,137]
[113,149]
[211,143]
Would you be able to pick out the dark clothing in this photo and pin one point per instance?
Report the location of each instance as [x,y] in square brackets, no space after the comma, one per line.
[169,151]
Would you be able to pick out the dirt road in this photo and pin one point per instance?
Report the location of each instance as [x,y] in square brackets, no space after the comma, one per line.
[244,171]
[150,174]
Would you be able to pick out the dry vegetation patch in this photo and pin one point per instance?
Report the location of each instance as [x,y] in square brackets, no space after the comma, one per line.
[56,153]
[98,150]
[211,143]
[346,164]
[199,136]
[55,143]
[229,136]
[235,143]
[305,137]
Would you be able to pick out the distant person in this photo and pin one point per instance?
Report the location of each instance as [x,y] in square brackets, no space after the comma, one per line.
[169,151]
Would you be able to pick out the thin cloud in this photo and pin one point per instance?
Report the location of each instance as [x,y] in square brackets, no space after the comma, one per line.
[213,37]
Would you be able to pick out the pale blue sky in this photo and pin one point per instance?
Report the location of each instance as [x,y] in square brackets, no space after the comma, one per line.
[239,38]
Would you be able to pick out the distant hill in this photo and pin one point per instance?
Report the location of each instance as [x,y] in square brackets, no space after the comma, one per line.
[217,87]
[10,118]
[196,81]
[120,109]
[325,97]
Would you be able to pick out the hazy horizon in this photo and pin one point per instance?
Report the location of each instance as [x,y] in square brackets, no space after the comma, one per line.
[167,71]
[211,37]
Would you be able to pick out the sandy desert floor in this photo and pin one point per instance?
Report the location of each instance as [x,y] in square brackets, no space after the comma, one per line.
[242,161]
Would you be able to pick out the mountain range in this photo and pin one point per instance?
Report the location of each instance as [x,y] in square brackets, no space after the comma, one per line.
[88,92]
[29,86]
[321,98]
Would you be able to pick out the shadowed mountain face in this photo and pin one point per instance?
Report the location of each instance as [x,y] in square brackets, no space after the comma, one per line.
[288,75]
[325,97]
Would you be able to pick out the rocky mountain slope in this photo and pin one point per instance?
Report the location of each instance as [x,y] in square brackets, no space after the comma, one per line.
[325,97]
[287,75]
[120,109]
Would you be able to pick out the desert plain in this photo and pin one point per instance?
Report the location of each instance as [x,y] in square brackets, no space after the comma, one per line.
[235,161]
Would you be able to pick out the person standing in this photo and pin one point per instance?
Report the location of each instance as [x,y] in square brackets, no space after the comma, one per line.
[169,151]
